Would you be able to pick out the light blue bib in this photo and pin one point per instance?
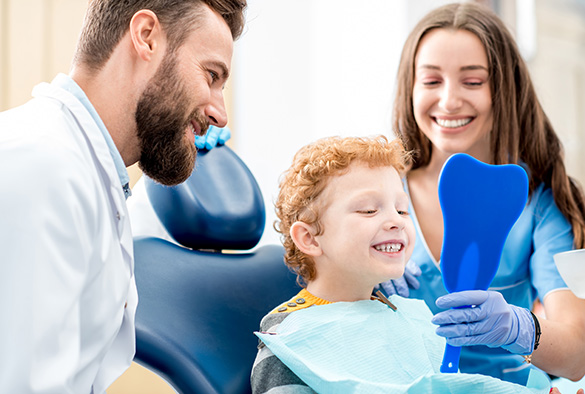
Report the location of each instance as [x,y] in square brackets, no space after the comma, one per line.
[365,347]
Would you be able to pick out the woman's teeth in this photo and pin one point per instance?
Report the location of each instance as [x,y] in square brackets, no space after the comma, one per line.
[452,123]
[388,248]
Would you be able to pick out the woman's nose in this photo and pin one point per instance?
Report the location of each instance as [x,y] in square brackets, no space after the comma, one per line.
[450,98]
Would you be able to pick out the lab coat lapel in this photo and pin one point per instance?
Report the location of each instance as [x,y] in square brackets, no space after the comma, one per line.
[103,160]
[123,348]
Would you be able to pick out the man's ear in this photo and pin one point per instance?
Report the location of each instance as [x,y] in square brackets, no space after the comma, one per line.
[302,235]
[146,33]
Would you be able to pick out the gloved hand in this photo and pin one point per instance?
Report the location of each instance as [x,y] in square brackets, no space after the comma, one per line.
[214,136]
[401,285]
[490,321]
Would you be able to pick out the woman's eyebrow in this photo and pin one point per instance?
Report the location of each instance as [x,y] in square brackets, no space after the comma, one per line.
[474,67]
[463,68]
[429,67]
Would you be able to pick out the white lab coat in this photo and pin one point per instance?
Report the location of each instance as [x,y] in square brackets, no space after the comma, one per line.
[67,290]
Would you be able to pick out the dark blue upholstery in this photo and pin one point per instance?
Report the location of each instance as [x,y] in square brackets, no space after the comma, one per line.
[219,207]
[198,309]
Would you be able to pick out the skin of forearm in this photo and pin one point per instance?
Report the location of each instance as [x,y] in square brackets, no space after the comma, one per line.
[562,343]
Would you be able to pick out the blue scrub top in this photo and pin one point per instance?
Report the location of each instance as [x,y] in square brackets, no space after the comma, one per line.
[527,270]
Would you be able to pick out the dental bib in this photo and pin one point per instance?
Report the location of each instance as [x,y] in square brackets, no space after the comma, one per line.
[365,347]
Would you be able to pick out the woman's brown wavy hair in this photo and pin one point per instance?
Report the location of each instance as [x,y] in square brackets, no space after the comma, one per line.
[521,130]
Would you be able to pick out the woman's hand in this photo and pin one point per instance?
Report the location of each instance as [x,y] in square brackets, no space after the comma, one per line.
[484,318]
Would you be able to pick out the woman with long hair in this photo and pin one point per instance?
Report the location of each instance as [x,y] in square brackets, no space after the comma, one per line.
[463,87]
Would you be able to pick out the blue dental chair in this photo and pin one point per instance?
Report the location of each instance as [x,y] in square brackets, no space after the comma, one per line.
[199,305]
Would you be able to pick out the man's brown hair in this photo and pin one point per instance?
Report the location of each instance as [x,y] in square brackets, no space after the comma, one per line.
[106,22]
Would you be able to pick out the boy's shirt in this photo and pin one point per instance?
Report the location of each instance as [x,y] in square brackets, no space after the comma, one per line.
[268,372]
[302,300]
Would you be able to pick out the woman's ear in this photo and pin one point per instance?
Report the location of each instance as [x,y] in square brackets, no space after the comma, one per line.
[302,235]
[145,32]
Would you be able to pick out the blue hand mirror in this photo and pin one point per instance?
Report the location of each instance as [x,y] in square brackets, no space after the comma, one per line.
[480,204]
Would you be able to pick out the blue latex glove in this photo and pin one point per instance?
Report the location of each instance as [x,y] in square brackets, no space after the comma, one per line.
[401,285]
[214,136]
[489,321]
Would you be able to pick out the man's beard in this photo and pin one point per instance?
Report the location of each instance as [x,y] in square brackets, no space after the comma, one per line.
[167,156]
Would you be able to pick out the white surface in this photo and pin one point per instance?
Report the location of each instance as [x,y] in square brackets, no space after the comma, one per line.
[571,266]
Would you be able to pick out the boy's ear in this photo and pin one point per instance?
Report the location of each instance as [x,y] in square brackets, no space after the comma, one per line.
[302,235]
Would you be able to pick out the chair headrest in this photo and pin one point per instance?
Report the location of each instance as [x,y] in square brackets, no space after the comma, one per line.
[219,207]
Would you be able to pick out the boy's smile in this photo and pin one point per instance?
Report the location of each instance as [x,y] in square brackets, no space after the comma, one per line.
[389,247]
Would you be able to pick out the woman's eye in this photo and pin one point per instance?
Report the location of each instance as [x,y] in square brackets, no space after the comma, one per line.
[474,83]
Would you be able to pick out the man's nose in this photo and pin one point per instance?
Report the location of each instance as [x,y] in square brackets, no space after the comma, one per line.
[215,111]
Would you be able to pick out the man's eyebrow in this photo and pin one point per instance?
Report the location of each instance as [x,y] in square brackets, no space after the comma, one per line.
[224,70]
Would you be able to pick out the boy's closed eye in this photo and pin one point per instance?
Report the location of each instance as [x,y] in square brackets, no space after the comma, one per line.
[367,211]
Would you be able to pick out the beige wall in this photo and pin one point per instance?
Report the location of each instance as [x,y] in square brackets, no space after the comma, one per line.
[558,71]
[37,38]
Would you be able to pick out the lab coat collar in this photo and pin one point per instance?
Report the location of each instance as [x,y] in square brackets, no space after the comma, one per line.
[67,83]
[104,161]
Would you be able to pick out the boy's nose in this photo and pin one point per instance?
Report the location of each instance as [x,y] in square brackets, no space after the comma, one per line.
[396,223]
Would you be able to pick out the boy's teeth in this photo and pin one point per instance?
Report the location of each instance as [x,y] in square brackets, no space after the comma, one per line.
[389,247]
[452,123]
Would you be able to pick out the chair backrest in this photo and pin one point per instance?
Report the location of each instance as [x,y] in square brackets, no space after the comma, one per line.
[198,309]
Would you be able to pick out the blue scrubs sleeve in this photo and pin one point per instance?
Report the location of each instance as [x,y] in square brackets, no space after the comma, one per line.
[552,234]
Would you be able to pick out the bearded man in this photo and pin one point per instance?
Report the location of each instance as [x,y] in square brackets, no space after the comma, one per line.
[147,77]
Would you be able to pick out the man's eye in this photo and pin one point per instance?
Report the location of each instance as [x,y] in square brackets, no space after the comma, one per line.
[214,75]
